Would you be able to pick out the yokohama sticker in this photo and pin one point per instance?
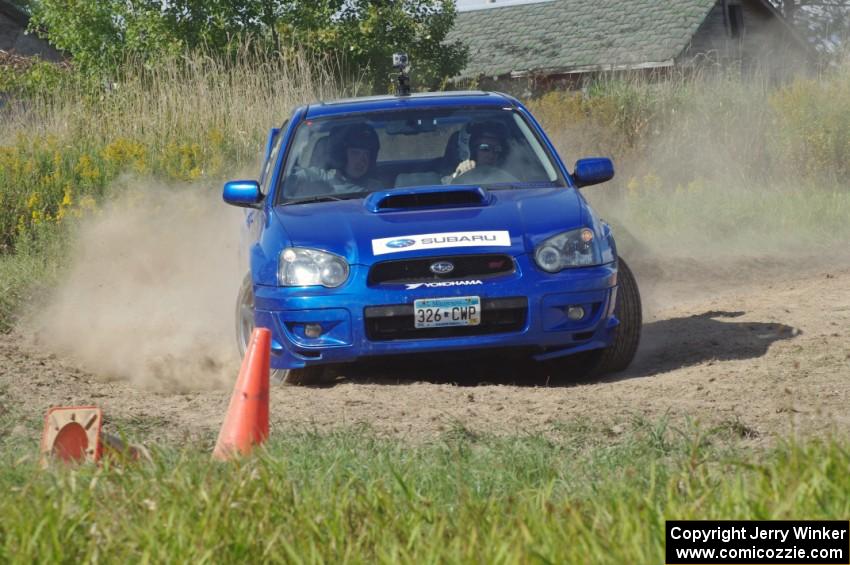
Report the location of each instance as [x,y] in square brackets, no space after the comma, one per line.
[441,240]
[442,284]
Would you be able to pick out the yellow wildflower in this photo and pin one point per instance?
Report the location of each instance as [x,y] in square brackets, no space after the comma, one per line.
[66,199]
[87,169]
[33,201]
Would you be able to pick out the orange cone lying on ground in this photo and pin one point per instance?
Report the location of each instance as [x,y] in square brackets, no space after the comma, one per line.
[247,421]
[72,434]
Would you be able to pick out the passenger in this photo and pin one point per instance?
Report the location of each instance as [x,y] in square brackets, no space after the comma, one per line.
[488,147]
[355,151]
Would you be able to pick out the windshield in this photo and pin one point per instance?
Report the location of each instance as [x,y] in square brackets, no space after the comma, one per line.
[351,156]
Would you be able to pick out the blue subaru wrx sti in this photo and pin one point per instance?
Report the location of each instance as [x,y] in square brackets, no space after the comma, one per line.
[434,223]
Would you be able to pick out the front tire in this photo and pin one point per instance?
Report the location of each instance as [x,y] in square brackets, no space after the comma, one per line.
[619,355]
[245,327]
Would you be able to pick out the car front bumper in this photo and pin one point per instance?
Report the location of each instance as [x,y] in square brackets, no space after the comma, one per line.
[526,309]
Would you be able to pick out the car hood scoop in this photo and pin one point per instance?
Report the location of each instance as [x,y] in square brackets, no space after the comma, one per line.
[426,197]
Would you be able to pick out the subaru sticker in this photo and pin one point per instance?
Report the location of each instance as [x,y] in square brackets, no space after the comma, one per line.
[496,238]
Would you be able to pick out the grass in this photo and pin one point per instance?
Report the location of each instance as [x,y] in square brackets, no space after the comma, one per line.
[705,219]
[352,498]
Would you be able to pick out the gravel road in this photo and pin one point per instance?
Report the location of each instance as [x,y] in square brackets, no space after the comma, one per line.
[761,350]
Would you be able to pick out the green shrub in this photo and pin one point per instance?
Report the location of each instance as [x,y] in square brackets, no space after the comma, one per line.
[23,77]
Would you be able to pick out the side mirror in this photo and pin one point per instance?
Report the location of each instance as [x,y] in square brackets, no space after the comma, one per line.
[593,171]
[244,193]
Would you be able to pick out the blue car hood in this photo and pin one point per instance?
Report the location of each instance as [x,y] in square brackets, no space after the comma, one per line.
[348,228]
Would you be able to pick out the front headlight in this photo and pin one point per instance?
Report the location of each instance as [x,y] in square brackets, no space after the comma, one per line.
[576,248]
[300,266]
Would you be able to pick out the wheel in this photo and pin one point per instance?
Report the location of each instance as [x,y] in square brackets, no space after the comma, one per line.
[617,356]
[244,329]
[244,314]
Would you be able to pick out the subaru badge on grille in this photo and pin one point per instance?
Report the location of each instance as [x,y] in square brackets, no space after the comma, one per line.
[442,268]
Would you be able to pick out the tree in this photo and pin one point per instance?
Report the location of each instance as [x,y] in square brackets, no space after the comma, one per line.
[790,7]
[825,23]
[360,34]
[100,34]
[365,33]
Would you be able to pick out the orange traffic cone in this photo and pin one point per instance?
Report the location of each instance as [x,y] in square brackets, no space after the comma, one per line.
[247,419]
[72,434]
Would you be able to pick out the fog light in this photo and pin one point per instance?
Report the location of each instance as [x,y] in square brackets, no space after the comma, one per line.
[313,330]
[575,313]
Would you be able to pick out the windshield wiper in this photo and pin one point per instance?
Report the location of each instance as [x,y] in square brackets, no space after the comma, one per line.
[327,198]
[520,185]
[320,198]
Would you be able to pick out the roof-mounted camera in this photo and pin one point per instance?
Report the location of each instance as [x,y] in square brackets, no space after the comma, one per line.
[401,63]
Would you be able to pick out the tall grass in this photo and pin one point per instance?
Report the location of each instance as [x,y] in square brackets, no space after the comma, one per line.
[191,119]
[65,149]
[708,124]
[351,498]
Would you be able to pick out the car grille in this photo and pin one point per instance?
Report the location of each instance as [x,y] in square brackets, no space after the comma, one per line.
[419,270]
[498,315]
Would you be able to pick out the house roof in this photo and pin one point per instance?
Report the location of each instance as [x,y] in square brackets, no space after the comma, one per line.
[577,35]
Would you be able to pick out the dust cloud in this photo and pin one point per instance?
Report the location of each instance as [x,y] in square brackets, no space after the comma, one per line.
[149,296]
[706,200]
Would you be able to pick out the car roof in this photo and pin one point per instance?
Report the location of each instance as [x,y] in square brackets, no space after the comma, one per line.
[417,100]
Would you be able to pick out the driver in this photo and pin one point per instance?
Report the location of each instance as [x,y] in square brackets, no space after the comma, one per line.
[488,147]
[355,150]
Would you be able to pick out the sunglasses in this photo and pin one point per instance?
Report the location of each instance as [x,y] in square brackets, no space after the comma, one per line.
[489,147]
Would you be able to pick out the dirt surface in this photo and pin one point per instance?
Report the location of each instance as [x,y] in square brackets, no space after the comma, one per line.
[764,351]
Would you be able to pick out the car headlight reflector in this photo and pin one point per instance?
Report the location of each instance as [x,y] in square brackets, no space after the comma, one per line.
[575,248]
[300,266]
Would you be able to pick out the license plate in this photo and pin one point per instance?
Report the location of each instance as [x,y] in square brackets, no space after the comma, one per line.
[443,312]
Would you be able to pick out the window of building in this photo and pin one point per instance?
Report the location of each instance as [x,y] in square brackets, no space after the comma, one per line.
[735,17]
